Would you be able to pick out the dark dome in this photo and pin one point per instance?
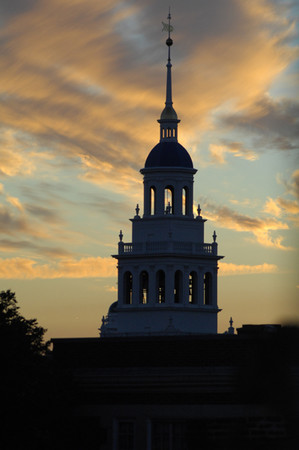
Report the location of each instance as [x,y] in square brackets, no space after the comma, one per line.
[169,154]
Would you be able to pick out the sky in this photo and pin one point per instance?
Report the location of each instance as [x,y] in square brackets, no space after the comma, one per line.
[82,83]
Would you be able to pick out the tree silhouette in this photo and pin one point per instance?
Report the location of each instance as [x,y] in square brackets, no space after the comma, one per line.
[25,385]
[20,338]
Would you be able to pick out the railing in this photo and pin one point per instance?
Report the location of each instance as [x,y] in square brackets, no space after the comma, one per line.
[167,247]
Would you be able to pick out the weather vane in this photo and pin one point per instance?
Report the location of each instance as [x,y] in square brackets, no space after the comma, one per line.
[167,26]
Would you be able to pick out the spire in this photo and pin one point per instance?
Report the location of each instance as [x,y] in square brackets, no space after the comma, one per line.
[168,120]
[169,43]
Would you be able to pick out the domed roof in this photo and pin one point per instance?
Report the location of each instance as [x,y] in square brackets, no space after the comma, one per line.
[168,113]
[169,154]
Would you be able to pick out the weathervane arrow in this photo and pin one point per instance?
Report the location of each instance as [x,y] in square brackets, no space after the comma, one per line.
[167,27]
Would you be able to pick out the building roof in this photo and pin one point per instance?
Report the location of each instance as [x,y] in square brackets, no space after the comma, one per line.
[169,154]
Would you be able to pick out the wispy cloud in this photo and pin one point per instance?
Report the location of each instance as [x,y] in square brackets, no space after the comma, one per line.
[72,98]
[260,228]
[219,151]
[243,269]
[271,124]
[28,269]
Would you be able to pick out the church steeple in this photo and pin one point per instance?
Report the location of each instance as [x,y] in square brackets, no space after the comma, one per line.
[168,120]
[167,274]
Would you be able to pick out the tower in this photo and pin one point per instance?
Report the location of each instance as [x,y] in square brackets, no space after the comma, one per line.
[167,275]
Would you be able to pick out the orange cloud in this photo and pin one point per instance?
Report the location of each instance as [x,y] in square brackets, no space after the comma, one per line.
[82,87]
[271,207]
[218,152]
[260,228]
[14,201]
[29,269]
[242,269]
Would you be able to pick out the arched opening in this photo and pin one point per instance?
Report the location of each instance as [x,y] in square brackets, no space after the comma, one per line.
[193,286]
[178,287]
[143,283]
[207,286]
[160,286]
[168,132]
[168,200]
[185,201]
[152,201]
[128,288]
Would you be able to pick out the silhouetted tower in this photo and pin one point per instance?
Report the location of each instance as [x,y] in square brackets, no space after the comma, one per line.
[167,275]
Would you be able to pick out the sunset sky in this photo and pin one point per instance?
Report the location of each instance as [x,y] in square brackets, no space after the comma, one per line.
[82,83]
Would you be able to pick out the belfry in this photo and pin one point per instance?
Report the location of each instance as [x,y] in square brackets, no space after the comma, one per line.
[167,275]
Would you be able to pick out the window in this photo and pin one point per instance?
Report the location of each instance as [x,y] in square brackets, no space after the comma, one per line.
[160,286]
[193,287]
[178,278]
[168,200]
[152,199]
[128,288]
[143,283]
[185,200]
[207,285]
[168,435]
[126,435]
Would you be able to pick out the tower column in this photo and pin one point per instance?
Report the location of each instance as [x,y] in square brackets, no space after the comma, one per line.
[200,287]
[186,285]
[177,200]
[135,293]
[160,200]
[214,288]
[169,285]
[151,286]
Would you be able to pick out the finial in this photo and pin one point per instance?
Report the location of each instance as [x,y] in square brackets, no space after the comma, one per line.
[214,236]
[168,119]
[198,210]
[231,322]
[121,235]
[137,209]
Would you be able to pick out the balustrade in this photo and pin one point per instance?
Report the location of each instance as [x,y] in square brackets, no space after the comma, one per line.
[168,246]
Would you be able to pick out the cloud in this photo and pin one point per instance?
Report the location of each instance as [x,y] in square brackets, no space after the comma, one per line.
[237,149]
[83,90]
[260,228]
[29,269]
[111,288]
[271,207]
[20,245]
[242,269]
[14,201]
[292,185]
[271,124]
[291,207]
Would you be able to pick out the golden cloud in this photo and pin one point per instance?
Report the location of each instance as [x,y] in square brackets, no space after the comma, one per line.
[76,80]
[29,269]
[219,151]
[260,228]
[271,207]
[242,269]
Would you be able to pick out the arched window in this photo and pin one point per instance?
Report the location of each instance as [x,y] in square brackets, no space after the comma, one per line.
[160,286]
[168,200]
[128,288]
[185,201]
[193,286]
[143,283]
[168,132]
[207,286]
[178,287]
[152,200]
